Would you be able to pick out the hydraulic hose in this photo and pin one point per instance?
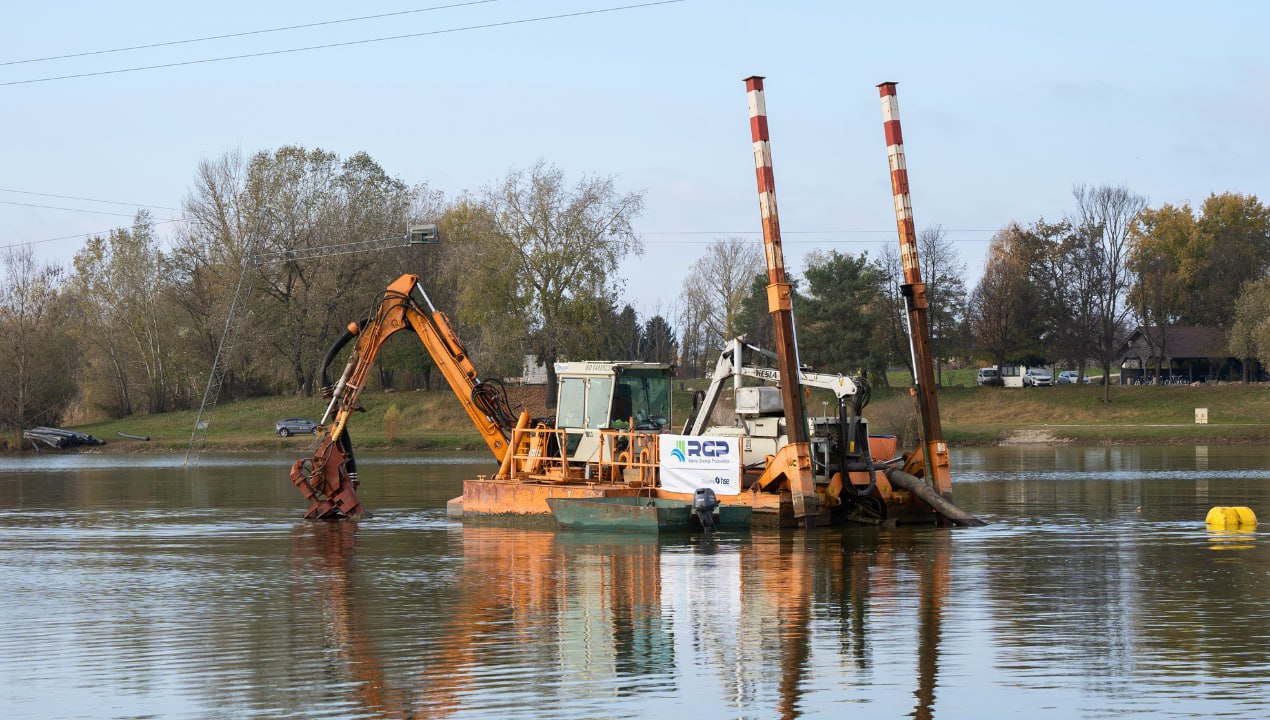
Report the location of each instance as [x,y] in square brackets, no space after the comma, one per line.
[927,494]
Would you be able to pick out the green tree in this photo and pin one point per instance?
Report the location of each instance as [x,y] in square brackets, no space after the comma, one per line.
[1250,332]
[1231,247]
[659,344]
[840,320]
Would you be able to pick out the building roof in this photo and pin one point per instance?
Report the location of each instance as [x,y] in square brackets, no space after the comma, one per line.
[1181,341]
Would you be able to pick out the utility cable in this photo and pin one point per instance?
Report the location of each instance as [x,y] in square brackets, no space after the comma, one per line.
[243,34]
[98,233]
[89,200]
[485,26]
[54,207]
[95,200]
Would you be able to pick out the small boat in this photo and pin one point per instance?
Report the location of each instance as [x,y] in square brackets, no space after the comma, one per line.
[640,513]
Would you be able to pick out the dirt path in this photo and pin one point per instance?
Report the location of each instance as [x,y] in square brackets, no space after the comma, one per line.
[1032,436]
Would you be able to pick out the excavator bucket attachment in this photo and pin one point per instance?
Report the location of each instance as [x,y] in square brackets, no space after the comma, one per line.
[325,481]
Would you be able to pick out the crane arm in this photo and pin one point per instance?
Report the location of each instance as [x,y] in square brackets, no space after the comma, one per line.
[329,479]
[731,364]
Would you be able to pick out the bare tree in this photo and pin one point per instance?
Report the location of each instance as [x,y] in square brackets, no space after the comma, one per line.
[717,284]
[943,272]
[1106,214]
[894,326]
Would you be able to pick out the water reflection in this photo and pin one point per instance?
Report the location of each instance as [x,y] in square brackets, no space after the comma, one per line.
[537,623]
[1096,592]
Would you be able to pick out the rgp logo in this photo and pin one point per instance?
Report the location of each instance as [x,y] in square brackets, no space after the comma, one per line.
[699,448]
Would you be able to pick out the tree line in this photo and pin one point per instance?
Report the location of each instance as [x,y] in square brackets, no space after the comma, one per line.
[528,266]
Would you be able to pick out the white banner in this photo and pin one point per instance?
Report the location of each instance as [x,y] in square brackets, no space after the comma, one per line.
[689,462]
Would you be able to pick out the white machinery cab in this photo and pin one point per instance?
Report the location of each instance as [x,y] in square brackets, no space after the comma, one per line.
[621,395]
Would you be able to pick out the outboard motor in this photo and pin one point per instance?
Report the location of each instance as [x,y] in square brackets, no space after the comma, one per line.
[704,503]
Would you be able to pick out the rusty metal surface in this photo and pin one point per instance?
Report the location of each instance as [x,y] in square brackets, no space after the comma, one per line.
[915,300]
[800,481]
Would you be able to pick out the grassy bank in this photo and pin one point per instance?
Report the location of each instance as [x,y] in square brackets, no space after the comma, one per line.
[971,416]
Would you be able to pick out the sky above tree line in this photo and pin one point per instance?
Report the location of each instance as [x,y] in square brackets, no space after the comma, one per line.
[1005,107]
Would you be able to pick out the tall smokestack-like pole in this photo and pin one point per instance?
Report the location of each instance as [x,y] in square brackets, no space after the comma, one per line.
[934,449]
[780,306]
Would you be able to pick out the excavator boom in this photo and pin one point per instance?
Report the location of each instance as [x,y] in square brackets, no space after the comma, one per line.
[329,479]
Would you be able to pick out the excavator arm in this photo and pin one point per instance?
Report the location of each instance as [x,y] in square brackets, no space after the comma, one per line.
[329,479]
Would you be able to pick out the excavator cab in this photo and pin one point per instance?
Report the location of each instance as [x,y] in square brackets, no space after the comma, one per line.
[596,396]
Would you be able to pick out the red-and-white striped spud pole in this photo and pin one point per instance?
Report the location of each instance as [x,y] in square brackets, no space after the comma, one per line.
[794,464]
[934,449]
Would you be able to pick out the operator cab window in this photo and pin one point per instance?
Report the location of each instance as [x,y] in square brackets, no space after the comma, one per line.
[647,394]
[571,407]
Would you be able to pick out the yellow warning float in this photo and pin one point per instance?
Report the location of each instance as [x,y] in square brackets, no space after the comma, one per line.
[1231,517]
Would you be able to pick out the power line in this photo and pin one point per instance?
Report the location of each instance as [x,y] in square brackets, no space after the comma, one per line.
[54,207]
[80,235]
[243,34]
[326,46]
[73,197]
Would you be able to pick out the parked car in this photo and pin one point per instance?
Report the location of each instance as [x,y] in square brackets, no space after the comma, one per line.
[1037,377]
[1071,377]
[286,427]
[988,376]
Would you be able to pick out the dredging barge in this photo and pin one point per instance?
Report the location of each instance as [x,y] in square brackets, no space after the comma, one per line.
[612,434]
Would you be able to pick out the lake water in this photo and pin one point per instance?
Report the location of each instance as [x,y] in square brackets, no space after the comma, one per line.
[133,588]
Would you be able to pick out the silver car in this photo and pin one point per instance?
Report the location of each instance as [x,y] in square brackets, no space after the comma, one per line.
[286,427]
[1037,377]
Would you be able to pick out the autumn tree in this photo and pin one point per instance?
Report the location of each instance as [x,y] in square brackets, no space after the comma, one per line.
[1001,307]
[560,245]
[280,204]
[39,363]
[123,287]
[1161,243]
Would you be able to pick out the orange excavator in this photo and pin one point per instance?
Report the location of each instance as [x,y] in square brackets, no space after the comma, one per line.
[329,478]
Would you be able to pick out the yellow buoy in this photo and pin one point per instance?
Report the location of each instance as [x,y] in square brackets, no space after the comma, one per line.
[1231,517]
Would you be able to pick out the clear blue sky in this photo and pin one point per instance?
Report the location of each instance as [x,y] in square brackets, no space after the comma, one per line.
[1005,106]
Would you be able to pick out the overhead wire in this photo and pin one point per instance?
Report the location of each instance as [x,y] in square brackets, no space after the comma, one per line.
[54,207]
[84,199]
[349,43]
[245,33]
[96,233]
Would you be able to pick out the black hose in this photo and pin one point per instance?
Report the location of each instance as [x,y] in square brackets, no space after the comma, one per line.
[927,494]
[338,345]
[490,397]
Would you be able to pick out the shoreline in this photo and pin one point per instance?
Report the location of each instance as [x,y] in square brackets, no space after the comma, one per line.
[1029,436]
